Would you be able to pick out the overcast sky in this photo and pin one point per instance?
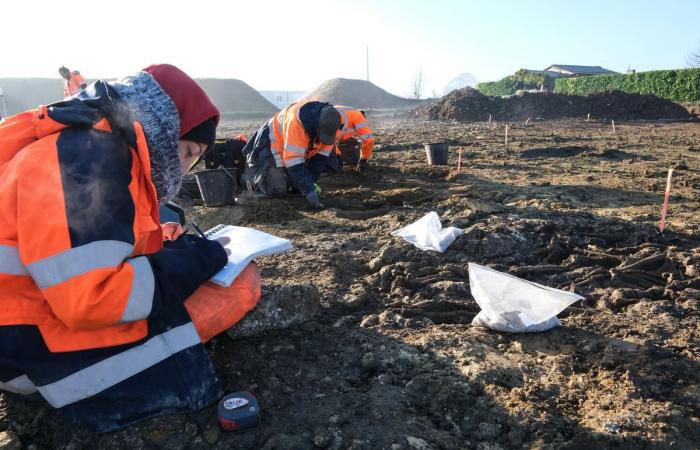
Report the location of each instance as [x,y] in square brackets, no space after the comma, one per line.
[296,45]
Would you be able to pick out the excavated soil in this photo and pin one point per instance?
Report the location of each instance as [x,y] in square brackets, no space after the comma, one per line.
[470,105]
[390,361]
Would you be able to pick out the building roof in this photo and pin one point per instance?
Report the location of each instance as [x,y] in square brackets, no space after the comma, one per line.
[578,70]
[546,72]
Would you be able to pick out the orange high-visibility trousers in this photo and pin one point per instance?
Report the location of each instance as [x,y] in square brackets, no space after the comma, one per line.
[214,309]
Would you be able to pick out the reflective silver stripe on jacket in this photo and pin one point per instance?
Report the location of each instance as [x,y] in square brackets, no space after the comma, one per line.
[115,369]
[140,301]
[19,385]
[10,263]
[325,152]
[357,126]
[365,136]
[293,161]
[271,130]
[76,261]
[276,125]
[280,121]
[278,158]
[295,149]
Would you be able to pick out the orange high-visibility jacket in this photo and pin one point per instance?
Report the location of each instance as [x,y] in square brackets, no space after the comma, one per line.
[289,142]
[355,126]
[78,212]
[73,84]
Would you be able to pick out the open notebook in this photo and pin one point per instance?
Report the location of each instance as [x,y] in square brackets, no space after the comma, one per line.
[246,244]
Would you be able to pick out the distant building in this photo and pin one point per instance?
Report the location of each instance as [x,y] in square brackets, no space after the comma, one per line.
[528,80]
[575,71]
[282,98]
[555,71]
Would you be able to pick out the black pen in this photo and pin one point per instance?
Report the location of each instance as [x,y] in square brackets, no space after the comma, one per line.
[199,230]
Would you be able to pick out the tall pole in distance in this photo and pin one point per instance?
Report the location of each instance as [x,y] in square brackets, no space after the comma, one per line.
[367,62]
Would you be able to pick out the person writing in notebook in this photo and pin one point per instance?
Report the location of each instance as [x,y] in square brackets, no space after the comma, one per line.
[100,315]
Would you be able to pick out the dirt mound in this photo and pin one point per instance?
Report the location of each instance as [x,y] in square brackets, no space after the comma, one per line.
[465,104]
[232,97]
[357,93]
[616,104]
[236,97]
[469,105]
[21,94]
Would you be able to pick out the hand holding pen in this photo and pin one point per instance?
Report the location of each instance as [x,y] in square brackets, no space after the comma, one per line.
[223,240]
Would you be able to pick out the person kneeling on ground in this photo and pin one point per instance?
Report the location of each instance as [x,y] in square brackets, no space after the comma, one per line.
[355,127]
[101,316]
[293,148]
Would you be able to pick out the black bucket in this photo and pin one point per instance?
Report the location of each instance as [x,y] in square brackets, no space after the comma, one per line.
[216,186]
[436,153]
[227,153]
[190,188]
[350,152]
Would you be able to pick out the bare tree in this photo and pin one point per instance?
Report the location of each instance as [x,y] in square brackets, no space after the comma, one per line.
[694,58]
[417,87]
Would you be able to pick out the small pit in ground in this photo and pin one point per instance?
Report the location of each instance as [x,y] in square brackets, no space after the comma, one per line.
[554,152]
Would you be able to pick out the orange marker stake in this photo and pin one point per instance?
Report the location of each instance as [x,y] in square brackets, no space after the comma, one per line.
[664,209]
[459,160]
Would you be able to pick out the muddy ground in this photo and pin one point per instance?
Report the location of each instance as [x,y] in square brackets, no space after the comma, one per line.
[391,361]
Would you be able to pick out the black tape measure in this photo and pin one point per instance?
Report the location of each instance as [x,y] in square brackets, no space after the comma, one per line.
[238,411]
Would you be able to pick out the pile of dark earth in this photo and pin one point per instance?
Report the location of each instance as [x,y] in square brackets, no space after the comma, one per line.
[469,105]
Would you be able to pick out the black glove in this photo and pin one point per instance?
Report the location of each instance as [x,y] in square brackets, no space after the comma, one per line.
[364,163]
[184,264]
[314,199]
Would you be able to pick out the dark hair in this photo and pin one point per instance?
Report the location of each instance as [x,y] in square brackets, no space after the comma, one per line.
[64,72]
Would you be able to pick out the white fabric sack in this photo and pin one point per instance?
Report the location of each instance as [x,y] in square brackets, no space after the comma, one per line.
[500,323]
[427,233]
[518,306]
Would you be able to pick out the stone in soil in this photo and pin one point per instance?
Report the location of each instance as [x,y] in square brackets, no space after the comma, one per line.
[279,308]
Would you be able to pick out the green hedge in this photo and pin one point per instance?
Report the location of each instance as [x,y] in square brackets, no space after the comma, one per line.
[522,79]
[505,86]
[677,85]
